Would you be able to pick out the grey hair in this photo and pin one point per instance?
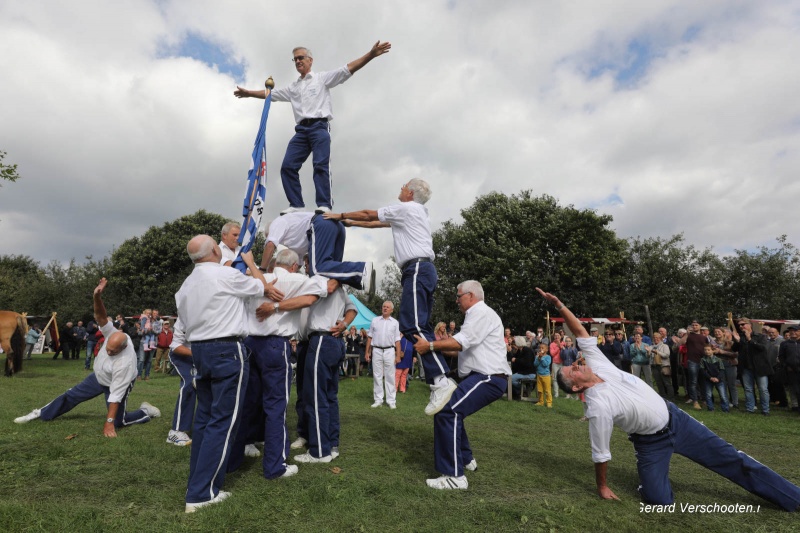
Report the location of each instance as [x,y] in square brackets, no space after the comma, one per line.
[388,302]
[308,51]
[229,226]
[472,287]
[287,257]
[205,248]
[421,190]
[564,383]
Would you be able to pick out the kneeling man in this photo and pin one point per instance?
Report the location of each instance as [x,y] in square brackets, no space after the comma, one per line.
[114,375]
[657,429]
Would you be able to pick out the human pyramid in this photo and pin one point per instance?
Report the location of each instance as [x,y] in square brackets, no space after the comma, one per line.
[232,340]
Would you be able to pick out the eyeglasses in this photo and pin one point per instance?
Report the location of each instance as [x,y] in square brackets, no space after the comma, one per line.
[458,296]
[295,59]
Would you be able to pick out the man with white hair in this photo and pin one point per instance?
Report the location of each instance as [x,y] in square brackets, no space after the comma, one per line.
[114,376]
[413,251]
[383,347]
[311,103]
[211,304]
[657,428]
[484,372]
[272,325]
[229,242]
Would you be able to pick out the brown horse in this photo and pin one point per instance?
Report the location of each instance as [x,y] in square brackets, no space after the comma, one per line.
[13,328]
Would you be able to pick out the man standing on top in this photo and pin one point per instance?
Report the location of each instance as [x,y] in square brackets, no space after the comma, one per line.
[413,251]
[311,103]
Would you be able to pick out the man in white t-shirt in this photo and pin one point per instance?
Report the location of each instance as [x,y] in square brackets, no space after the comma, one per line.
[483,369]
[114,376]
[311,103]
[413,251]
[229,242]
[383,347]
[656,428]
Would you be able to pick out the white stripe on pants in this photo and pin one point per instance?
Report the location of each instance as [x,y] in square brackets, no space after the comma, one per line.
[383,370]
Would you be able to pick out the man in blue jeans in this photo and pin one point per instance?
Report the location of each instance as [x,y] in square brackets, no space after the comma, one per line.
[311,103]
[755,365]
[657,429]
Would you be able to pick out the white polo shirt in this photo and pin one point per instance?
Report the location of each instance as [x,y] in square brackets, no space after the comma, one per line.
[227,253]
[411,230]
[621,400]
[482,340]
[115,371]
[211,302]
[291,231]
[384,332]
[310,96]
[284,323]
[327,311]
[178,335]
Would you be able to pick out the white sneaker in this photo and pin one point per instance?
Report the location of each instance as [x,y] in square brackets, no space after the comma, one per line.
[250,450]
[448,483]
[440,397]
[290,471]
[322,209]
[178,438]
[471,466]
[298,444]
[192,507]
[291,210]
[366,277]
[376,404]
[150,410]
[334,452]
[33,415]
[308,458]
[392,406]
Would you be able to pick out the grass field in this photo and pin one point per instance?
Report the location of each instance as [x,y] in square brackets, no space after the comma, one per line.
[535,471]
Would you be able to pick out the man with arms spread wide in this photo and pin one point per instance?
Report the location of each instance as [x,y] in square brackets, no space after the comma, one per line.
[656,428]
[311,103]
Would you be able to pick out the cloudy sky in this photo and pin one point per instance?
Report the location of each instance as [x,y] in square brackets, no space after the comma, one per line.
[670,116]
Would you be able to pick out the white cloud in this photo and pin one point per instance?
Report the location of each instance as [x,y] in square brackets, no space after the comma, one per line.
[110,138]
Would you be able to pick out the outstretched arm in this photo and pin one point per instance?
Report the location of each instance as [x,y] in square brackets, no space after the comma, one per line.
[377,49]
[573,323]
[100,314]
[241,92]
[365,215]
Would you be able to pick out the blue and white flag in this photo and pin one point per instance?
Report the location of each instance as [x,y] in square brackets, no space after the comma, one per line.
[256,190]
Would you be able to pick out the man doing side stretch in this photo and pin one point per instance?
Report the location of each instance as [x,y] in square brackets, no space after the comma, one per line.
[114,376]
[413,251]
[484,372]
[311,103]
[656,428]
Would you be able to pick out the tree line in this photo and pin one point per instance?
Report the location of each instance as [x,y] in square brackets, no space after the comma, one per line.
[510,243]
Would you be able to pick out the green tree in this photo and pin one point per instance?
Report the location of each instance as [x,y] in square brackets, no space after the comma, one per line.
[147,271]
[678,283]
[7,172]
[23,285]
[512,244]
[764,283]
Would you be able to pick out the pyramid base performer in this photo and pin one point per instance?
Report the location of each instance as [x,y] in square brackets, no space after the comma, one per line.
[656,428]
[114,376]
[413,251]
[484,371]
